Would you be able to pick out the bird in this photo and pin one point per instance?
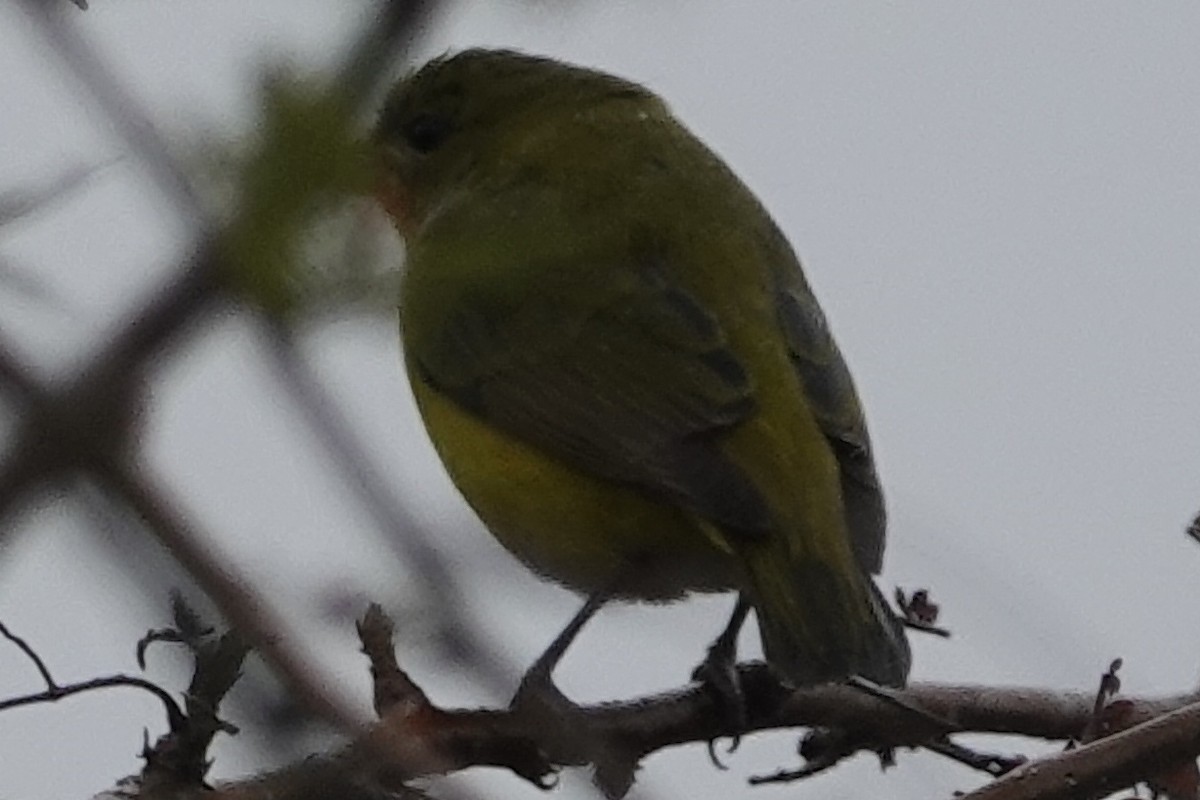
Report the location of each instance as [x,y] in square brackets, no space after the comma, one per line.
[619,360]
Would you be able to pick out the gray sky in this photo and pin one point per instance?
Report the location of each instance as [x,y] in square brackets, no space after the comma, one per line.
[996,202]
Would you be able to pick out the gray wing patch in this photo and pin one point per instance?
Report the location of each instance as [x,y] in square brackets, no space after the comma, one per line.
[829,387]
[634,386]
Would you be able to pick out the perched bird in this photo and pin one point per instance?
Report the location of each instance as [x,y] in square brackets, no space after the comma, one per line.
[619,360]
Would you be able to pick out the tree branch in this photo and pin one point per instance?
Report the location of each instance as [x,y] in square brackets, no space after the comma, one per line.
[416,739]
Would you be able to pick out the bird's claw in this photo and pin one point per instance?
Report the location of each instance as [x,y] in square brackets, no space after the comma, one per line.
[718,673]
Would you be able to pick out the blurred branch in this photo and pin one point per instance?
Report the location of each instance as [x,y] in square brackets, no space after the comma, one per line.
[393,32]
[19,205]
[243,607]
[85,426]
[100,87]
[15,377]
[443,599]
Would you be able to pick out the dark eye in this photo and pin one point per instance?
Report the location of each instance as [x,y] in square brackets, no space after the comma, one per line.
[426,132]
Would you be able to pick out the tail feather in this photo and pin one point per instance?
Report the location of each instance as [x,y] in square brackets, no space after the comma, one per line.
[820,624]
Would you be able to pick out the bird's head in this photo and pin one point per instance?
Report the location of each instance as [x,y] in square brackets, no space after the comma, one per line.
[476,108]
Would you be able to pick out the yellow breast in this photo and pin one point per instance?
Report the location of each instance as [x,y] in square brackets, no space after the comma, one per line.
[587,533]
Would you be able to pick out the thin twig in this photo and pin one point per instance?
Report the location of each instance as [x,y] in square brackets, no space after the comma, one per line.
[28,650]
[811,768]
[56,691]
[239,604]
[1109,685]
[893,697]
[993,764]
[174,714]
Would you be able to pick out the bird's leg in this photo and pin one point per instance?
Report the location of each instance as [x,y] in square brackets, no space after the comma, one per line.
[537,686]
[719,673]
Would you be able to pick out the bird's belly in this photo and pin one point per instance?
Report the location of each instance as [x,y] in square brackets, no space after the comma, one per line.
[587,533]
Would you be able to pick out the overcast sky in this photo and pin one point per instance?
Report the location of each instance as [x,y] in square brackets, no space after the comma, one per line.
[996,203]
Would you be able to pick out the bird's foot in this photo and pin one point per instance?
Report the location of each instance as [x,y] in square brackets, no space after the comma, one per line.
[719,675]
[538,696]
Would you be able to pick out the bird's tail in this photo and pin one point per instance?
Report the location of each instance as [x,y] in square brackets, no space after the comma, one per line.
[820,623]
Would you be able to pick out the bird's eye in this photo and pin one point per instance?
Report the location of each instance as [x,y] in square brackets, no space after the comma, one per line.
[426,132]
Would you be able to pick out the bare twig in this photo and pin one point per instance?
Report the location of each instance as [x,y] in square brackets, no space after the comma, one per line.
[412,741]
[180,758]
[993,764]
[1104,765]
[25,648]
[822,749]
[238,603]
[56,691]
[61,691]
[1110,684]
[392,686]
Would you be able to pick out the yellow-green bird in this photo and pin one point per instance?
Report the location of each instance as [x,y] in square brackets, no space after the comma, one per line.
[618,358]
